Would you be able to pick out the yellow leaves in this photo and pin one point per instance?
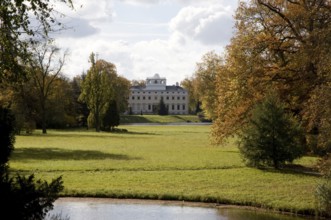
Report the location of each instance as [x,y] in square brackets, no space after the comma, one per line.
[6,96]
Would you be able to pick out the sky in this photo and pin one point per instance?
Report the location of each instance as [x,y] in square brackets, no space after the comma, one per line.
[145,37]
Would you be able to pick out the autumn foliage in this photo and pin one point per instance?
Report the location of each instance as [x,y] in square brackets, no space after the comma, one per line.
[280,46]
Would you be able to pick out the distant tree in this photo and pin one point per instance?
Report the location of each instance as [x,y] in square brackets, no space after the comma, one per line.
[111,118]
[121,88]
[194,103]
[44,70]
[204,82]
[100,85]
[162,108]
[272,136]
[96,89]
[81,109]
[140,83]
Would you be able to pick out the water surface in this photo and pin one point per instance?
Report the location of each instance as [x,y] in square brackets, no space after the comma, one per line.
[102,209]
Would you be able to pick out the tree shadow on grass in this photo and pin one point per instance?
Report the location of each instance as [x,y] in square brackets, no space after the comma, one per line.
[293,169]
[22,154]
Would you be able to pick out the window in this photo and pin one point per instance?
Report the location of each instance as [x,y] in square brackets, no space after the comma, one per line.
[143,97]
[178,107]
[138,97]
[183,107]
[149,98]
[178,98]
[173,107]
[173,98]
[149,107]
[167,98]
[132,97]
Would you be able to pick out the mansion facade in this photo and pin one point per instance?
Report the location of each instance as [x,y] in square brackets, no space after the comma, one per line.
[146,100]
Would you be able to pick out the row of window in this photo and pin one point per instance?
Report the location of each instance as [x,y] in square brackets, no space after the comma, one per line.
[157,92]
[170,107]
[156,98]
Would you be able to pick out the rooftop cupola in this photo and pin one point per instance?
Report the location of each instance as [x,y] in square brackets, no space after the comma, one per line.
[156,83]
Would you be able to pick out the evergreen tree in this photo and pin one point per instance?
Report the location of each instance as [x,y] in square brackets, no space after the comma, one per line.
[111,118]
[272,136]
[163,110]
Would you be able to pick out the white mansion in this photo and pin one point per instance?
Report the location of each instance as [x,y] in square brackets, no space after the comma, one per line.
[145,100]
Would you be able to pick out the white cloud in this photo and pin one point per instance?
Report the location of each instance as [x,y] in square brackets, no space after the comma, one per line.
[209,25]
[147,40]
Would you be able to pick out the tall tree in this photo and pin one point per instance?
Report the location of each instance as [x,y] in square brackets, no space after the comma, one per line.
[281,45]
[190,85]
[44,69]
[121,88]
[96,89]
[205,87]
[80,107]
[17,32]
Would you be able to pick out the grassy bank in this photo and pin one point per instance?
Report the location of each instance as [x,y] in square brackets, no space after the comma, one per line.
[128,119]
[161,162]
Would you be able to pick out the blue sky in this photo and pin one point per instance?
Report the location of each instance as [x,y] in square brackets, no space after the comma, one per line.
[144,37]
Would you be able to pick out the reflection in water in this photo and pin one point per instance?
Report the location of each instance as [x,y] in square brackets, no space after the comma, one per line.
[239,214]
[93,210]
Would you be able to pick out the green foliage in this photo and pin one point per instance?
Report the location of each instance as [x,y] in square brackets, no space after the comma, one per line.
[111,118]
[162,108]
[26,198]
[100,85]
[202,87]
[16,17]
[272,136]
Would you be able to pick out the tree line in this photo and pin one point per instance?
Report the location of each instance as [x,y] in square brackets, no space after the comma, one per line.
[45,98]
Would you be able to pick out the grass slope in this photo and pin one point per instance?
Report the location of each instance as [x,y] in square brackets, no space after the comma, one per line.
[127,119]
[160,162]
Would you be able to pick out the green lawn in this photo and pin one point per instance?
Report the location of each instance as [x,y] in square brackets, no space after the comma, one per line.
[160,162]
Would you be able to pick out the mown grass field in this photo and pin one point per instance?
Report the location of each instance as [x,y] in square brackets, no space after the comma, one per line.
[160,162]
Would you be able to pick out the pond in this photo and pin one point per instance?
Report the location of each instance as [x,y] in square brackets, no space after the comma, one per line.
[102,209]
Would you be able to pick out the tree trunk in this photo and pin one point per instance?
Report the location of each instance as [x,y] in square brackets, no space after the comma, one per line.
[43,118]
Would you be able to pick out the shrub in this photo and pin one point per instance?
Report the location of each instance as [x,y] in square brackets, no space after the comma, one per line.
[272,137]
[323,196]
[27,198]
[22,197]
